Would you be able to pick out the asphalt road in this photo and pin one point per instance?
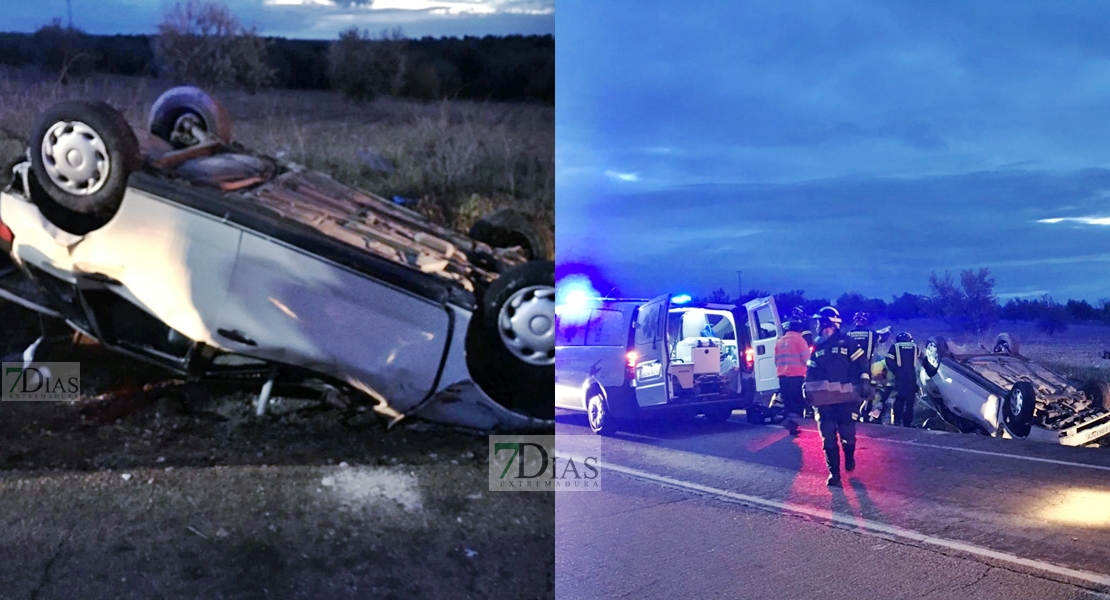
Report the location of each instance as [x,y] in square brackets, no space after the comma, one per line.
[190,495]
[742,511]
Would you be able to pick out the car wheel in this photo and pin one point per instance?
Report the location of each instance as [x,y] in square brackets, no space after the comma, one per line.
[1007,344]
[507,228]
[512,346]
[601,422]
[1098,391]
[1017,408]
[178,109]
[936,349]
[82,154]
[718,415]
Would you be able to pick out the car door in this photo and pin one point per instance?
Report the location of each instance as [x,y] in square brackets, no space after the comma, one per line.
[652,353]
[290,306]
[151,280]
[765,328]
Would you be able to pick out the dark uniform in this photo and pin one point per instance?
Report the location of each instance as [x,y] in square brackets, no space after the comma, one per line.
[901,362]
[837,359]
[867,340]
[798,314]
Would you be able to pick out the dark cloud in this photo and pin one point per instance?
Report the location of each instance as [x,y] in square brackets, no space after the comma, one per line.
[876,236]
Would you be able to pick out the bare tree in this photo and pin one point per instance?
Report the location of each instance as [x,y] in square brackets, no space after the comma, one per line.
[202,41]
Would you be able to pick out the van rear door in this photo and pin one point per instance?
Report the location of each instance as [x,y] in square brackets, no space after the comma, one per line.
[765,329]
[652,353]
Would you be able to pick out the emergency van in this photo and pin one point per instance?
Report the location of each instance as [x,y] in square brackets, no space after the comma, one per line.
[619,360]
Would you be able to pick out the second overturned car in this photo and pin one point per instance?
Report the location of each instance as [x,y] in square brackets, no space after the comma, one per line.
[999,392]
[193,252]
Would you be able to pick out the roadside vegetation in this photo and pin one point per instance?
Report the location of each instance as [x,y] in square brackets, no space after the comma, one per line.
[452,128]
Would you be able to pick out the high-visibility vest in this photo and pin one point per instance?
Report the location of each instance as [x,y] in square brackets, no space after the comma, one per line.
[791,355]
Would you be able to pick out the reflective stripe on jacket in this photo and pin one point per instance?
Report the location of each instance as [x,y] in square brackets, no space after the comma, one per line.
[901,361]
[791,355]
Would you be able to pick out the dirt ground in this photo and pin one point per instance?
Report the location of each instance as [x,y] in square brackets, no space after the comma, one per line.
[181,491]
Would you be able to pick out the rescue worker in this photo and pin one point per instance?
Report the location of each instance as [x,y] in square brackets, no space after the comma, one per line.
[837,358]
[799,315]
[901,362]
[869,340]
[863,335]
[791,357]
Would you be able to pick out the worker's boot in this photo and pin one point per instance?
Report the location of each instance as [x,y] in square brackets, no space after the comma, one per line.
[833,480]
[832,461]
[849,457]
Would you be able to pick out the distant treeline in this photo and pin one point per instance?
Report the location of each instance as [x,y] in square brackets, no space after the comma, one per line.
[968,304]
[510,68]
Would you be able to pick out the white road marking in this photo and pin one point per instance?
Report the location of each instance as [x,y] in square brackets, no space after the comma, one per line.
[853,521]
[1001,454]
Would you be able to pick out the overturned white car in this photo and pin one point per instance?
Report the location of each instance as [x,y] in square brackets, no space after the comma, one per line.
[1002,393]
[195,253]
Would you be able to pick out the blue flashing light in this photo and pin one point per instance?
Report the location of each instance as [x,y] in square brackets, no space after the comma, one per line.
[681,299]
[574,298]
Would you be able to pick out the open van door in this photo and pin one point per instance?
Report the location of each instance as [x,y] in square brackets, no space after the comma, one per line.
[765,329]
[652,353]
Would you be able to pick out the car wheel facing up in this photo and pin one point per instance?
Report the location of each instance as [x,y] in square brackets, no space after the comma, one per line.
[82,154]
[1017,408]
[179,109]
[511,345]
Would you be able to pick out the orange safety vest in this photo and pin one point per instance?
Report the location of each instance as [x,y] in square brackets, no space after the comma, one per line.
[791,355]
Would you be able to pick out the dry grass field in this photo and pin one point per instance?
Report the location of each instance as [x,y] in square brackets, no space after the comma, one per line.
[459,159]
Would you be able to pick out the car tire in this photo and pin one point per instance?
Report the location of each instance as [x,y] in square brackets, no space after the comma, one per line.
[83,189]
[718,415]
[1017,408]
[1006,343]
[1098,390]
[169,111]
[940,353]
[511,343]
[507,228]
[597,413]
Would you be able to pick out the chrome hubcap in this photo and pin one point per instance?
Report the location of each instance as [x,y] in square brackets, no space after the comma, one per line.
[931,355]
[595,413]
[1016,400]
[527,325]
[75,158]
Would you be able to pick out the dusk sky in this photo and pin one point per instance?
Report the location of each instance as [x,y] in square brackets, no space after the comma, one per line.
[833,147]
[311,19]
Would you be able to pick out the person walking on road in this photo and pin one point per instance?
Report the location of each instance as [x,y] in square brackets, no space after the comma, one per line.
[791,357]
[837,358]
[901,362]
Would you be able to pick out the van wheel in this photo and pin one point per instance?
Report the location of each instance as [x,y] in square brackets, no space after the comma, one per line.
[1017,408]
[82,154]
[718,415]
[177,110]
[601,422]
